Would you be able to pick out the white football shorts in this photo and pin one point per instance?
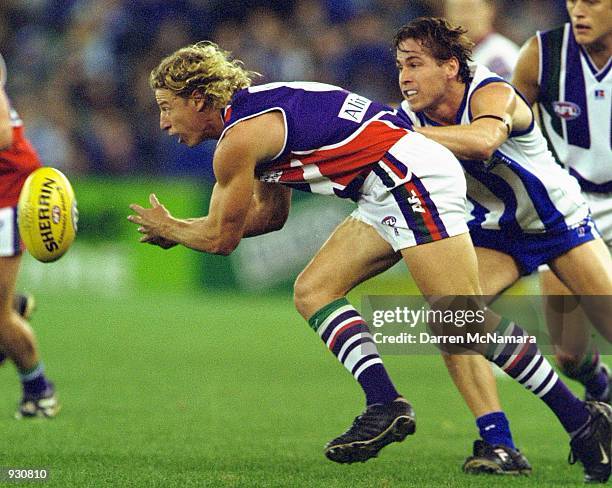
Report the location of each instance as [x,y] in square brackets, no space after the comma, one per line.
[10,243]
[416,194]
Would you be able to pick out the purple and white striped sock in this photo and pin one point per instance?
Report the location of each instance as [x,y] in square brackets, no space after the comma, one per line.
[523,361]
[347,335]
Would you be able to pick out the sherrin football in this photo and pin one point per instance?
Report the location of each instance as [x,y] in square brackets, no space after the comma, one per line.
[47,214]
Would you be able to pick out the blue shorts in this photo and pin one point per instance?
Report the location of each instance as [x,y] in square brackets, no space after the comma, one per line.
[531,250]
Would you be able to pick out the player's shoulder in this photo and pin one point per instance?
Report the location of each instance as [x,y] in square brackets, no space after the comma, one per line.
[487,86]
[405,113]
[548,42]
[482,76]
[555,31]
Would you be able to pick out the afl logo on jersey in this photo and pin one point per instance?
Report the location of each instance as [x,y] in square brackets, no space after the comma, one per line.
[390,220]
[567,110]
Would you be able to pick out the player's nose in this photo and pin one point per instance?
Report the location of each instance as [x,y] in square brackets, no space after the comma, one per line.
[164,124]
[404,76]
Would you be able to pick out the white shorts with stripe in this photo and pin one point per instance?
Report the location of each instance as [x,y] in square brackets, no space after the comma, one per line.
[415,195]
[10,243]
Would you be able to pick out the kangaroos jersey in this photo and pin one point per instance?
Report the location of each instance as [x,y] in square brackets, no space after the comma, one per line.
[333,138]
[16,161]
[520,188]
[575,101]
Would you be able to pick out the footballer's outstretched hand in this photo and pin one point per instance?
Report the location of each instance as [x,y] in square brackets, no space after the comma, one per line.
[158,241]
[152,222]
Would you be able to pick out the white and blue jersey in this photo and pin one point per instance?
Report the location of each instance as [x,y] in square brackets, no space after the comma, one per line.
[575,101]
[520,191]
[575,106]
[521,188]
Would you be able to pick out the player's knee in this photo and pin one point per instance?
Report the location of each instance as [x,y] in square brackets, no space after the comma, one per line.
[310,295]
[302,295]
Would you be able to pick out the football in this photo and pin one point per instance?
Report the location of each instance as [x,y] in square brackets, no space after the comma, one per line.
[47,214]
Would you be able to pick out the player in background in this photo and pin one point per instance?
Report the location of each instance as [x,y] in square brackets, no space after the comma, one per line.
[525,209]
[410,196]
[17,160]
[567,72]
[491,49]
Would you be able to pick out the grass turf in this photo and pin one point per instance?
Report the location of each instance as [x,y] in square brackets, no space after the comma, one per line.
[226,390]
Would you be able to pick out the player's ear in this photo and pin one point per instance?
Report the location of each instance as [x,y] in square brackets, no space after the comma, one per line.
[452,68]
[198,100]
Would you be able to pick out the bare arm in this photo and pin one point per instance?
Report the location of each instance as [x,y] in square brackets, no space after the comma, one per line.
[269,209]
[482,137]
[221,230]
[6,129]
[268,212]
[526,72]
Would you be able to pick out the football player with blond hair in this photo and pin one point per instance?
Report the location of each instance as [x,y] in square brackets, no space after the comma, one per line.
[410,204]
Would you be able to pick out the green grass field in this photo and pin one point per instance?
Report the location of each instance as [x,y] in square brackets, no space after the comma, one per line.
[225,390]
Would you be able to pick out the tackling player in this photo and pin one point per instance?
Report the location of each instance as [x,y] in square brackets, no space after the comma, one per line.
[524,209]
[568,72]
[17,160]
[323,139]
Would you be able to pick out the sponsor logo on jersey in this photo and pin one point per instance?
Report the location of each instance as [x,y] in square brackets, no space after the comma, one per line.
[567,110]
[600,94]
[415,202]
[390,220]
[271,176]
[354,108]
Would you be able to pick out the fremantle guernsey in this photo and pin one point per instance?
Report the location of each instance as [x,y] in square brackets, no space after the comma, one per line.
[521,188]
[575,101]
[333,138]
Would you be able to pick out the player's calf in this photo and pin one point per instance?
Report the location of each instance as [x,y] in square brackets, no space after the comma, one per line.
[24,305]
[591,372]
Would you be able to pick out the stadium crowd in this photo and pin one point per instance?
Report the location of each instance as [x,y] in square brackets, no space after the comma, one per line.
[79,68]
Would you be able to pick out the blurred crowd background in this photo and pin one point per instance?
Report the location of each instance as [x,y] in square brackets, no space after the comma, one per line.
[78,69]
